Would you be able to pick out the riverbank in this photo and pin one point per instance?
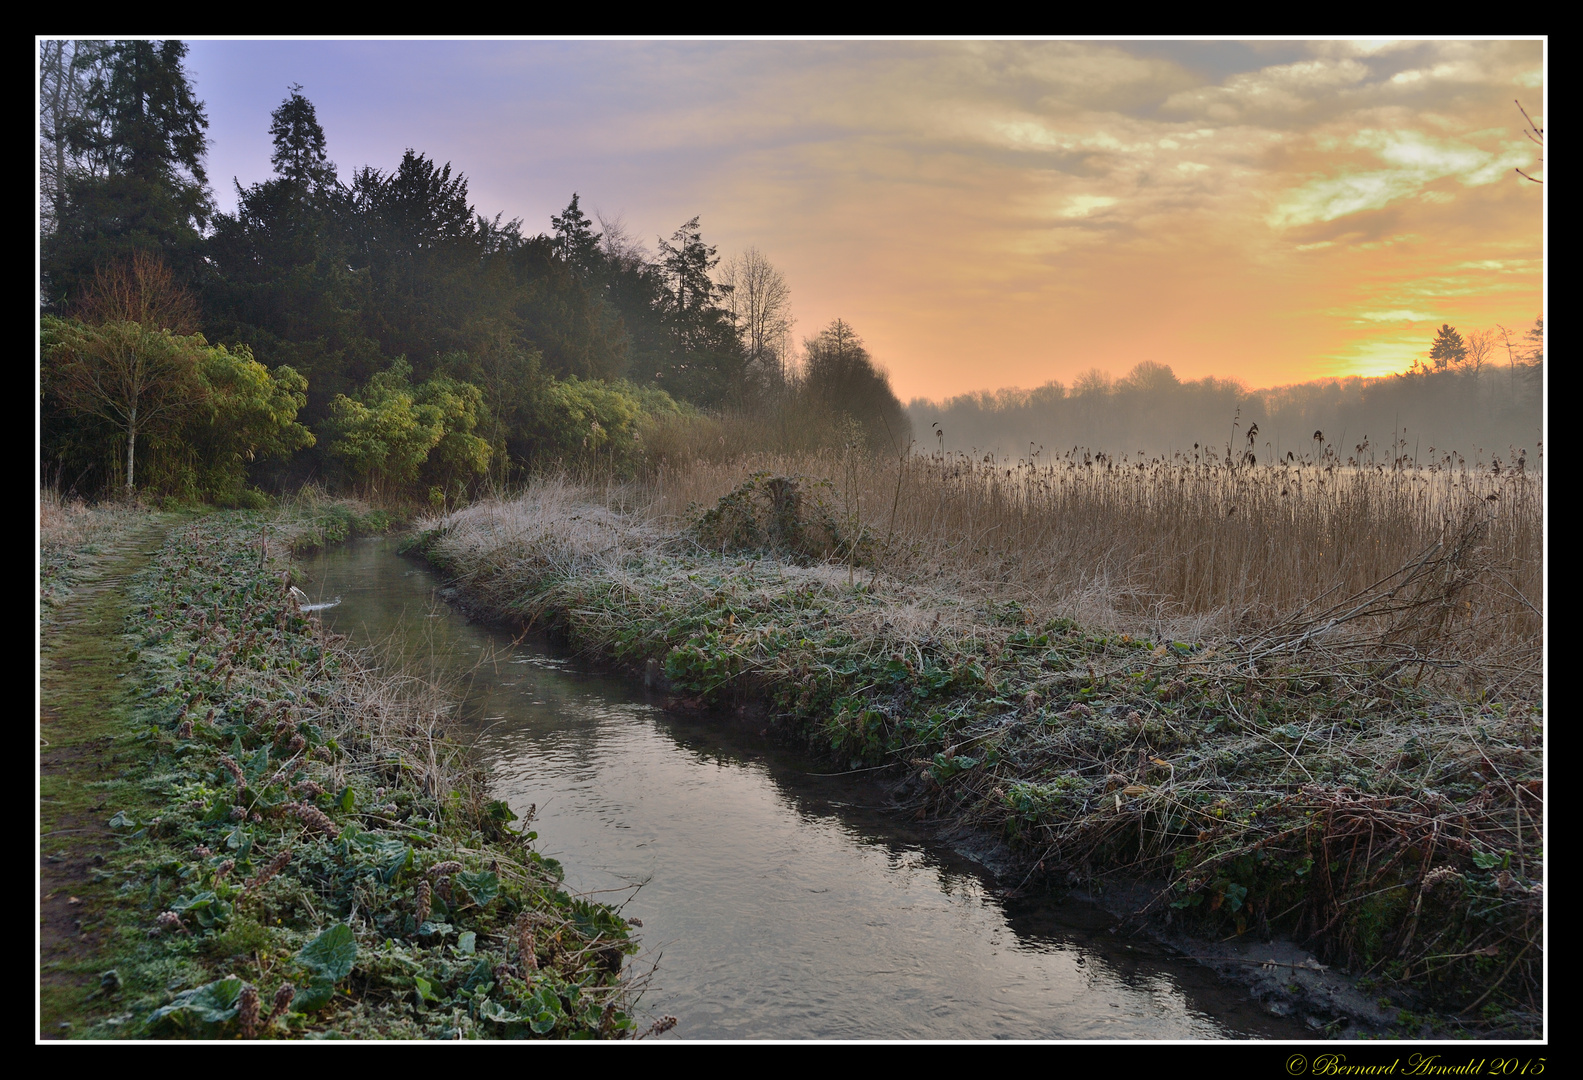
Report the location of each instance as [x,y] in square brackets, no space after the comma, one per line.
[261,834]
[1272,788]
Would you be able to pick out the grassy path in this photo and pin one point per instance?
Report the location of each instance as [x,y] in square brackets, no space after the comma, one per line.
[83,658]
[247,831]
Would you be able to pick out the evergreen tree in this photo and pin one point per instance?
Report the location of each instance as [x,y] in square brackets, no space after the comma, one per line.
[299,154]
[839,377]
[419,207]
[1448,348]
[706,360]
[144,128]
[685,264]
[575,240]
[143,120]
[283,281]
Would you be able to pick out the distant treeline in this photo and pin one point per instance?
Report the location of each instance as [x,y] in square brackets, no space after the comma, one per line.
[1465,404]
[403,341]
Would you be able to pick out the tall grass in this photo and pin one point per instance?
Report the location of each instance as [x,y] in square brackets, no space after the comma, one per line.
[1190,544]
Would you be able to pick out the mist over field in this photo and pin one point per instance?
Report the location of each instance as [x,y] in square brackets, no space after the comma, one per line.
[1479,410]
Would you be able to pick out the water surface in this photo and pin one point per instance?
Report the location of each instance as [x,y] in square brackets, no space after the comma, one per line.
[776,902]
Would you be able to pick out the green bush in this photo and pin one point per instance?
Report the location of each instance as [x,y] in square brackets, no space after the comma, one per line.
[393,437]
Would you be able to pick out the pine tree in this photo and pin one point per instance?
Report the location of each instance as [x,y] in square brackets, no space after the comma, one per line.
[685,263]
[299,143]
[144,129]
[1448,348]
[575,240]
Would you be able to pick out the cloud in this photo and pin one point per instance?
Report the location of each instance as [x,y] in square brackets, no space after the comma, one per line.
[1083,205]
[1398,316]
[1413,159]
[1285,88]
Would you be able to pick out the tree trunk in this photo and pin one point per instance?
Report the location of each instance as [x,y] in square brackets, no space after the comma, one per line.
[131,447]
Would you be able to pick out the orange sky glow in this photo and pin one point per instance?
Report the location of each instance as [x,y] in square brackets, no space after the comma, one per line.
[989,213]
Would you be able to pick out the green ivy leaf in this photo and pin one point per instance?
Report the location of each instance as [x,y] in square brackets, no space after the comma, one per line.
[493,1010]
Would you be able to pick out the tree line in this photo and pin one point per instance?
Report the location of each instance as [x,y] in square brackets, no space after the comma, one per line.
[405,341]
[1479,395]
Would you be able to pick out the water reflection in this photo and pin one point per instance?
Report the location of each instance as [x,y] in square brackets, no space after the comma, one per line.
[776,903]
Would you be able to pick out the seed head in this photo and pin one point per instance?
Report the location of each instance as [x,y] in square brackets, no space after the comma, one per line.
[283,995]
[527,947]
[315,819]
[247,1011]
[276,865]
[425,898]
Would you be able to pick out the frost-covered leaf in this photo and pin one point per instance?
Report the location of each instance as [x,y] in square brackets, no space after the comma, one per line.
[199,1009]
[332,955]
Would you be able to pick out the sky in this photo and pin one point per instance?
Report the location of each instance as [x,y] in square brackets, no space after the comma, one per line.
[990,213]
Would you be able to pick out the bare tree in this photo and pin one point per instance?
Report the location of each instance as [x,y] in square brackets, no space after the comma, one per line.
[129,364]
[618,246]
[66,71]
[1480,347]
[140,289]
[759,303]
[1511,357]
[1536,135]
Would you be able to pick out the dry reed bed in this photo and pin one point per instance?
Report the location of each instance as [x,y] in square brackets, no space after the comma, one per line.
[1325,775]
[323,847]
[1188,546]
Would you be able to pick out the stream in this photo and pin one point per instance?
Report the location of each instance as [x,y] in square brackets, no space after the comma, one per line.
[777,902]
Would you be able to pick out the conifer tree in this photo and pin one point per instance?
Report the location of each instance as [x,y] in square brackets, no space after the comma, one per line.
[1448,348]
[146,131]
[575,240]
[299,143]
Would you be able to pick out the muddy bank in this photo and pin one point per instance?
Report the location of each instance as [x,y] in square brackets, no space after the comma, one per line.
[1344,806]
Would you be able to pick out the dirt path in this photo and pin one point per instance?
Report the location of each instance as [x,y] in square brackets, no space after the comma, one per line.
[83,656]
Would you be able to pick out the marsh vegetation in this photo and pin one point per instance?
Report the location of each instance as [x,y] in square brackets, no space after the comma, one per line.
[1301,699]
